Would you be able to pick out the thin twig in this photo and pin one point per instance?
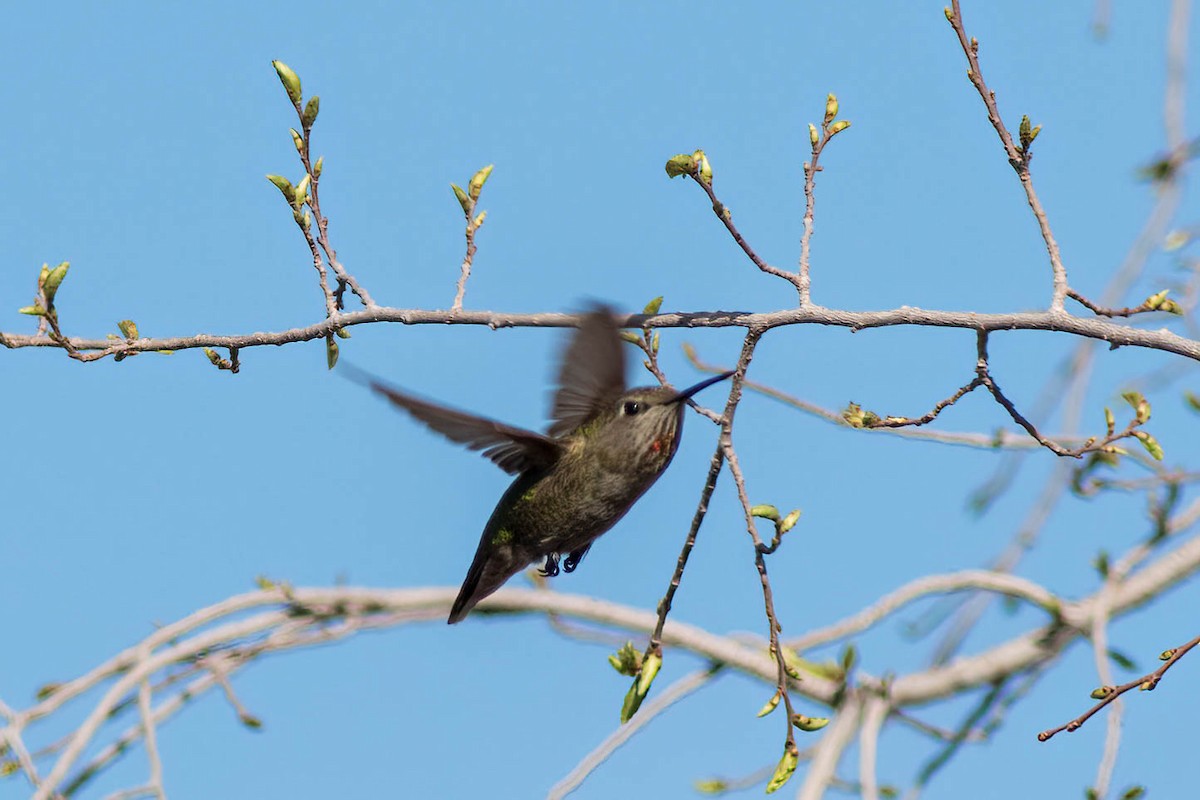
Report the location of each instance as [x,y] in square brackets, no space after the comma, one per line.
[314,201]
[803,280]
[474,223]
[1146,307]
[1000,440]
[682,688]
[689,543]
[1018,157]
[726,217]
[934,731]
[961,734]
[930,416]
[761,551]
[1147,682]
[1091,445]
[648,343]
[984,707]
[710,483]
[217,665]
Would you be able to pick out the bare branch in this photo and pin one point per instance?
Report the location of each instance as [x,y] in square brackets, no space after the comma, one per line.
[726,217]
[682,688]
[1018,157]
[875,713]
[710,483]
[803,278]
[967,580]
[1115,335]
[1110,693]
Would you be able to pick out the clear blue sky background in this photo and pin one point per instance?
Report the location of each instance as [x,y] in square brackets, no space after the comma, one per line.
[135,142]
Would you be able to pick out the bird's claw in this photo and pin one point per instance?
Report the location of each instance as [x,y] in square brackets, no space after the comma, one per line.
[574,557]
[551,567]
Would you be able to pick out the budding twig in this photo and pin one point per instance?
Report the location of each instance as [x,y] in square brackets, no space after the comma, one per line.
[1108,694]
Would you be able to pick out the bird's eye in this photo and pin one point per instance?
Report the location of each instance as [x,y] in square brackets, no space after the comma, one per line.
[631,407]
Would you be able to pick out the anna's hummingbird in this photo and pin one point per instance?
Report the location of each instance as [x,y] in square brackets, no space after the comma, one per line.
[605,447]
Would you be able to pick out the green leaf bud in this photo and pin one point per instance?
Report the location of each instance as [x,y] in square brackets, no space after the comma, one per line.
[831,108]
[1154,301]
[765,511]
[301,192]
[703,168]
[467,204]
[53,280]
[478,180]
[331,352]
[711,786]
[681,164]
[290,81]
[311,109]
[1151,444]
[650,668]
[285,188]
[809,724]
[770,705]
[784,770]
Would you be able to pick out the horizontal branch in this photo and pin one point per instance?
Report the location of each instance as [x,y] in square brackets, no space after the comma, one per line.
[967,580]
[1093,328]
[186,638]
[1040,645]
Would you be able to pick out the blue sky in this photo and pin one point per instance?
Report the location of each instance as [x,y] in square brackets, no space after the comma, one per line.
[136,142]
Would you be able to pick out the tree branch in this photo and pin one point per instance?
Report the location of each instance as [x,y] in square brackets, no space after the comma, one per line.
[1114,334]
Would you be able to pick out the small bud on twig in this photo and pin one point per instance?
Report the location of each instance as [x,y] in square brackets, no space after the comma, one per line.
[290,81]
[831,108]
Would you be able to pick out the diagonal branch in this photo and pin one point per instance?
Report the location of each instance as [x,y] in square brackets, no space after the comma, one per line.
[1018,157]
[1110,693]
[680,690]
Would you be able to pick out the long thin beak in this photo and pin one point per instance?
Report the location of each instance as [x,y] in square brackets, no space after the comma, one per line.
[704,384]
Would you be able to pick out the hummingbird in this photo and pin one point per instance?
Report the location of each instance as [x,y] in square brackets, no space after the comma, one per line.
[606,445]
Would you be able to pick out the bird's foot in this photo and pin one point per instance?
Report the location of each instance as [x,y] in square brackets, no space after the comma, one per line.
[573,559]
[551,567]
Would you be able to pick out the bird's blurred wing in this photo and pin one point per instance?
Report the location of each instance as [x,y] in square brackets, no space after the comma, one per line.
[512,449]
[592,372]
